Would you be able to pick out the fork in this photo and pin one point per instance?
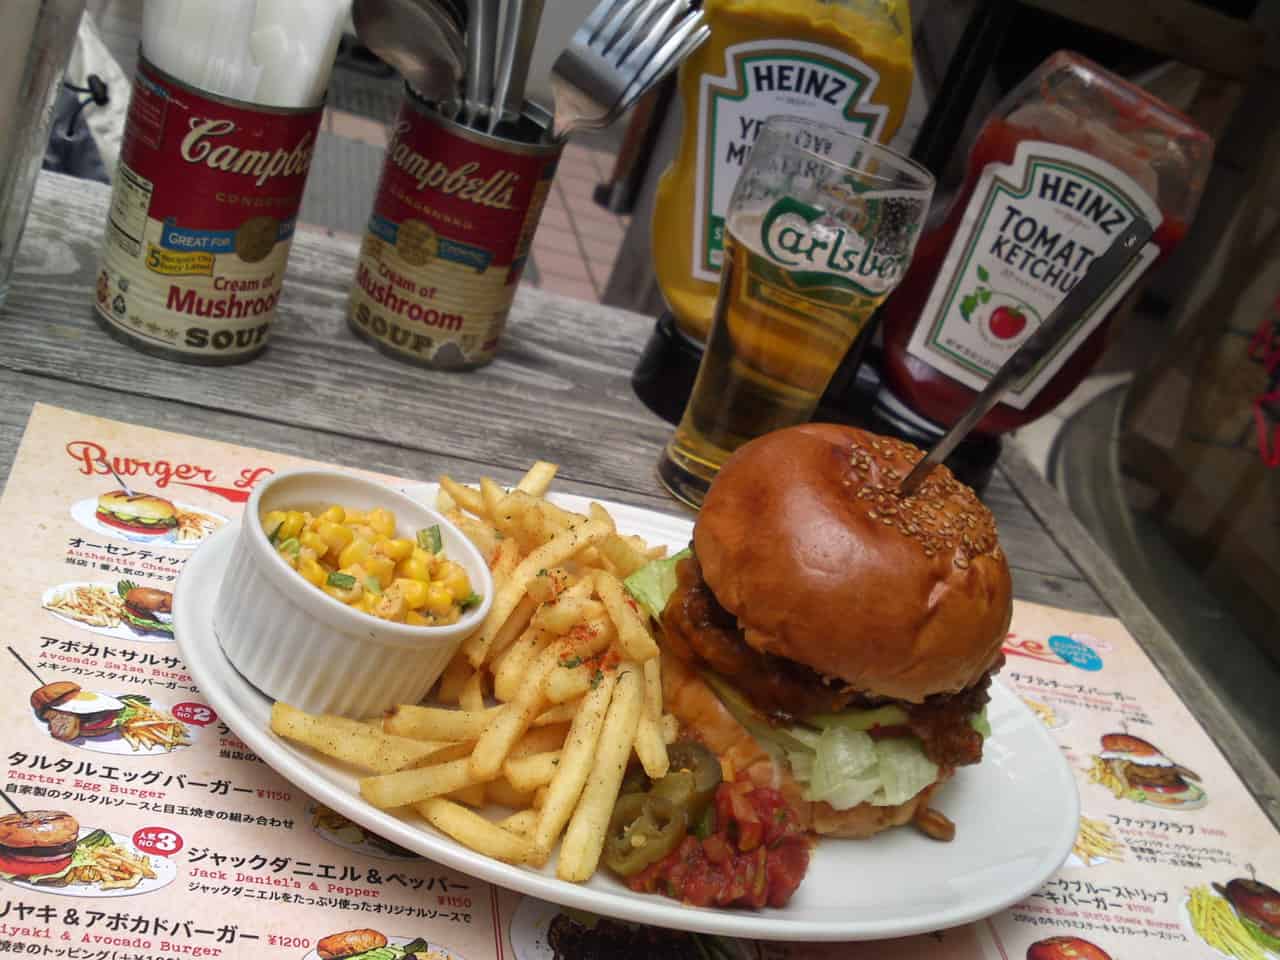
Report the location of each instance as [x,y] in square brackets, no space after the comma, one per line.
[621,50]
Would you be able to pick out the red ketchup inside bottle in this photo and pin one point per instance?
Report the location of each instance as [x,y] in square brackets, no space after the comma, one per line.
[976,287]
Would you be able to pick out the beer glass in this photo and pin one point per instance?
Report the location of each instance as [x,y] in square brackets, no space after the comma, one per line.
[820,229]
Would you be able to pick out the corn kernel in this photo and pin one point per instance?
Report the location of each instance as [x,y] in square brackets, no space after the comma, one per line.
[380,567]
[271,520]
[334,514]
[312,571]
[413,591]
[354,552]
[335,535]
[383,521]
[455,579]
[313,542]
[395,549]
[390,606]
[291,526]
[414,569]
[439,600]
[350,594]
[354,517]
[415,619]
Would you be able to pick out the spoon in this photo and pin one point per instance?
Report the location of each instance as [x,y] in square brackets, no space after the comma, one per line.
[1097,280]
[418,38]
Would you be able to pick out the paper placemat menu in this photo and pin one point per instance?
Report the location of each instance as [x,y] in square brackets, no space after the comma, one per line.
[182,843]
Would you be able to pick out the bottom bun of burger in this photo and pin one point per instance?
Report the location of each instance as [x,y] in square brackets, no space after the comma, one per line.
[701,713]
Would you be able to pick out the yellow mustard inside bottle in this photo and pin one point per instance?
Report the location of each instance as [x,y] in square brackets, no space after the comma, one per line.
[840,62]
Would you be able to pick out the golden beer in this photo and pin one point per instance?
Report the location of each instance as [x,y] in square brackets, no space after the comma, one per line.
[820,229]
[773,348]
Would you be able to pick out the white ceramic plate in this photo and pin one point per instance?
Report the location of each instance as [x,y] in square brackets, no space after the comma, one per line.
[1016,813]
[113,743]
[164,869]
[85,513]
[121,631]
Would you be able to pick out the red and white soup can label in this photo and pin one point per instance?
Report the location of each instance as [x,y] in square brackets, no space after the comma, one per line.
[203,211]
[448,238]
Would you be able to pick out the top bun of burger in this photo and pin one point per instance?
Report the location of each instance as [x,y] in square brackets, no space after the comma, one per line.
[804,538]
[37,828]
[52,694]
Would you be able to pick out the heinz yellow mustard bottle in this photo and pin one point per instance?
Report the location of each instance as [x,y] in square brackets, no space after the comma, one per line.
[842,62]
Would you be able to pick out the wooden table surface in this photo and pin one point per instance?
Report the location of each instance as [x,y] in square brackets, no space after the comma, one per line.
[559,390]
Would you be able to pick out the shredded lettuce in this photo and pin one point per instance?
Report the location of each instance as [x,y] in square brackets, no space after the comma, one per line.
[847,768]
[980,722]
[1267,941]
[653,584]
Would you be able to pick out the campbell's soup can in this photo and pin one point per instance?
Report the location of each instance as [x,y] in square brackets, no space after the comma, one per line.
[449,235]
[203,210]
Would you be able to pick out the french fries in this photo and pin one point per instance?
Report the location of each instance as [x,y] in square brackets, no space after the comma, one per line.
[569,660]
[1219,926]
[1095,840]
[352,741]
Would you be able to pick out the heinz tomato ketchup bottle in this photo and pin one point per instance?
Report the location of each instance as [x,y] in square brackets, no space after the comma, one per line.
[1058,170]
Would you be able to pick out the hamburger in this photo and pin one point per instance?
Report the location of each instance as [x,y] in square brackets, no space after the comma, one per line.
[370,944]
[829,637]
[37,843]
[1258,906]
[146,609]
[1066,948]
[72,713]
[1147,774]
[139,514]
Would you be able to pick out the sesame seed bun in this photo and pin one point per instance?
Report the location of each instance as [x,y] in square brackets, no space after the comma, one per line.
[805,540]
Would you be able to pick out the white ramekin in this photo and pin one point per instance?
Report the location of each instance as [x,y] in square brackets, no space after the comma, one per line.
[298,644]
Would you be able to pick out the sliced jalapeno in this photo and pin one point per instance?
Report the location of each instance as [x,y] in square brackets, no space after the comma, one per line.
[693,762]
[634,781]
[644,828]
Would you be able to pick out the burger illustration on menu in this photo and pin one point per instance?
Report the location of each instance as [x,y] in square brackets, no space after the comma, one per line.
[49,850]
[1135,769]
[124,610]
[146,518]
[140,516]
[128,723]
[1066,948]
[366,944]
[1240,919]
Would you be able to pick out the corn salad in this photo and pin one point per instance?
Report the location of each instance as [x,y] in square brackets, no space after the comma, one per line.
[355,556]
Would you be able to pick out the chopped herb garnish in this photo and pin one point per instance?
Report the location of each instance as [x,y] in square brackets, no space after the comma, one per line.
[596,678]
[373,586]
[343,581]
[706,824]
[274,537]
[429,539]
[470,600]
[291,546]
[542,572]
[571,663]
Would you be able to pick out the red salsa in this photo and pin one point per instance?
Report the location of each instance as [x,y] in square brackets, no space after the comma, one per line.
[751,852]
